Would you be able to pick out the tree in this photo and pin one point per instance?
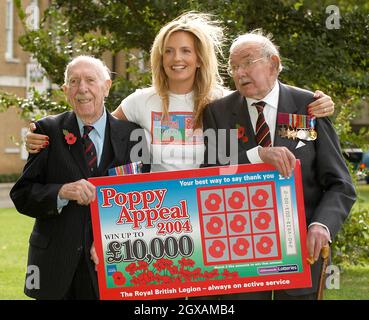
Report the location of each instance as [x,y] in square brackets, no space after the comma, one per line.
[320,48]
[314,56]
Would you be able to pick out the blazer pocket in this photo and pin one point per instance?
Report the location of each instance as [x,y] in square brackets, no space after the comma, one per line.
[39,240]
[300,144]
[305,151]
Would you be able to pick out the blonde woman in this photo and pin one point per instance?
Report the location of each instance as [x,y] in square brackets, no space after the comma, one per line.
[185,78]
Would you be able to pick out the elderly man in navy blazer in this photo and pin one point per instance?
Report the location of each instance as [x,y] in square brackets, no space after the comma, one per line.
[54,189]
[276,129]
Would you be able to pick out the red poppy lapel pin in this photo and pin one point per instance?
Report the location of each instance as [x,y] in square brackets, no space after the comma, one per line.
[241,133]
[69,137]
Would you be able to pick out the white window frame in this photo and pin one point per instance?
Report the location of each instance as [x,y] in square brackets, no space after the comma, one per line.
[9,30]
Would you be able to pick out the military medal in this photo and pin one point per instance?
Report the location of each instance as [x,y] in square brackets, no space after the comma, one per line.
[302,134]
[312,132]
[296,126]
[283,132]
[291,134]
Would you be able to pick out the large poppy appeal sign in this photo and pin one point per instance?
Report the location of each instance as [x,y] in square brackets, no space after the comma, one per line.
[199,232]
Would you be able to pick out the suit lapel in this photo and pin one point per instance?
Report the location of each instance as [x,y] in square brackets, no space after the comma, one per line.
[107,153]
[76,149]
[241,116]
[286,104]
[118,135]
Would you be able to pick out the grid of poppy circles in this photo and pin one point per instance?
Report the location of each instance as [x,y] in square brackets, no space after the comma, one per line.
[239,223]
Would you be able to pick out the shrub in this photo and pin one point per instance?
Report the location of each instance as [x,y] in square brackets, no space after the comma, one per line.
[351,246]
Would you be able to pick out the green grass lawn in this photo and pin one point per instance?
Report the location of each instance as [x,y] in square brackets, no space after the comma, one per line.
[15,230]
[354,285]
[363,196]
[14,234]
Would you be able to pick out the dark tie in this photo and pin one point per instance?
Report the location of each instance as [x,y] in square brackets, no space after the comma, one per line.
[90,150]
[262,129]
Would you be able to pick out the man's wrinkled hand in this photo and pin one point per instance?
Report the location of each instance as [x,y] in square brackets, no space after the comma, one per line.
[81,191]
[317,238]
[280,157]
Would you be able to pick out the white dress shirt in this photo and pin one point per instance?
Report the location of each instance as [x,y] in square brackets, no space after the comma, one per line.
[270,114]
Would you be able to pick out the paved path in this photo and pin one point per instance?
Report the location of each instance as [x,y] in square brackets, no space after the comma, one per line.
[5,201]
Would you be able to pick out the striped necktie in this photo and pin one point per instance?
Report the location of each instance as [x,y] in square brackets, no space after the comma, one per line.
[90,150]
[262,129]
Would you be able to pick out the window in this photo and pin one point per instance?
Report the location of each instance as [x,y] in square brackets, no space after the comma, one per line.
[9,29]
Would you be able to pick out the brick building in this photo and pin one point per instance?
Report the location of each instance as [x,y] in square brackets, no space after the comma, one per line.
[19,72]
[13,79]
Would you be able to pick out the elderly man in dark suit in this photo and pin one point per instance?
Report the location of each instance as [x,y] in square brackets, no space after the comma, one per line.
[274,128]
[54,188]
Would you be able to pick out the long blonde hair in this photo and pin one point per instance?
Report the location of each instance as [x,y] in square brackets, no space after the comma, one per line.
[209,37]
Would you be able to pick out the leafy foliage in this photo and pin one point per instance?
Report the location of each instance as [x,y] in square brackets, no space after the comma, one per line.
[351,245]
[34,108]
[314,56]
[334,60]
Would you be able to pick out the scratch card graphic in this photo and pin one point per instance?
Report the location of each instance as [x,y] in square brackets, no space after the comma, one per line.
[239,223]
[199,232]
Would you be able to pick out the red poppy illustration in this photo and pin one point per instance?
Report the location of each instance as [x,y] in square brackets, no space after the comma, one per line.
[177,280]
[214,226]
[142,265]
[236,200]
[241,247]
[212,274]
[165,279]
[260,198]
[212,203]
[196,273]
[173,270]
[165,271]
[186,274]
[238,223]
[225,273]
[135,281]
[162,264]
[186,262]
[145,277]
[264,245]
[262,221]
[229,275]
[217,248]
[119,279]
[131,268]
[69,137]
